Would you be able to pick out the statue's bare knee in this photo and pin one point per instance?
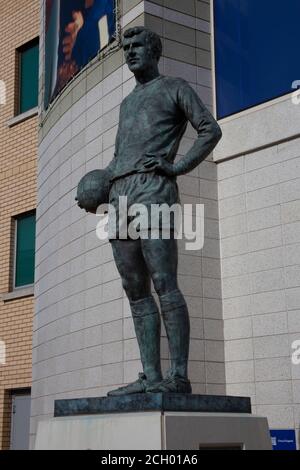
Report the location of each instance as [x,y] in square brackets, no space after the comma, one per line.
[136,289]
[164,282]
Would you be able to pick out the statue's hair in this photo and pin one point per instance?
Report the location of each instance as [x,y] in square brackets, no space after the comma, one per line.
[152,39]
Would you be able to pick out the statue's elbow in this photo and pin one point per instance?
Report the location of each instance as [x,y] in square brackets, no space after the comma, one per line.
[217,133]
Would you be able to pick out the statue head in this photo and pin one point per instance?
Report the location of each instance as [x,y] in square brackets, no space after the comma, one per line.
[142,49]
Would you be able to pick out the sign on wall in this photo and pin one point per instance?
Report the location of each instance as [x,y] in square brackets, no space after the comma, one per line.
[75,31]
[283,439]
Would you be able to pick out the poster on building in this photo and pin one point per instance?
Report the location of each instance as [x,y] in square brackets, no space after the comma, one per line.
[75,31]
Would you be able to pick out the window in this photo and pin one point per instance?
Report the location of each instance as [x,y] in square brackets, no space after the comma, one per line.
[24,250]
[28,76]
[256,49]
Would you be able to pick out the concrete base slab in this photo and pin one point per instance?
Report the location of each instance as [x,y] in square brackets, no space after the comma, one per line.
[155,431]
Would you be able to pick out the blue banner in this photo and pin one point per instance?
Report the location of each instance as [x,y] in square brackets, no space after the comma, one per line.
[76,30]
[256,45]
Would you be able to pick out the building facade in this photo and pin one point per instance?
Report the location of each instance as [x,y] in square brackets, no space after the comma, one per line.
[19,31]
[259,208]
[84,342]
[243,287]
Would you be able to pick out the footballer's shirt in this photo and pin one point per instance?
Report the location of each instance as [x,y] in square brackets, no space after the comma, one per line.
[153,119]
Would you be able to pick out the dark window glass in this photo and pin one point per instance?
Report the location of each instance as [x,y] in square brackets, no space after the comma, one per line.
[25,250]
[29,76]
[256,50]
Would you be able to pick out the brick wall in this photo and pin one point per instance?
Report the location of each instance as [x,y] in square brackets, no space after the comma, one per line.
[19,23]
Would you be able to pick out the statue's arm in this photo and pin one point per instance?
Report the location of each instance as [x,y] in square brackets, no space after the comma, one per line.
[209,131]
[110,169]
[113,163]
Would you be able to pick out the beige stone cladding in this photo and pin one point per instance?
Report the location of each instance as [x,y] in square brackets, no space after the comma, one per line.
[84,343]
[259,206]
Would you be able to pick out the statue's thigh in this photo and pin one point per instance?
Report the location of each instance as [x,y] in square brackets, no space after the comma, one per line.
[161,257]
[131,264]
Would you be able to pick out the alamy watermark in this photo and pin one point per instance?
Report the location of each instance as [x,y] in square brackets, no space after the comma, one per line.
[2,353]
[2,92]
[152,222]
[296,353]
[296,94]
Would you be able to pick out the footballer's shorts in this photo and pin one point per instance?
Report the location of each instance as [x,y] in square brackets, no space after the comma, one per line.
[137,199]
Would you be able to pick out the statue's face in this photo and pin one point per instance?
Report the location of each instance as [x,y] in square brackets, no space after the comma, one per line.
[137,54]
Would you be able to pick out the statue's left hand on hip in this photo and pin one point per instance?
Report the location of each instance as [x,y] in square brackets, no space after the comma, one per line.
[159,164]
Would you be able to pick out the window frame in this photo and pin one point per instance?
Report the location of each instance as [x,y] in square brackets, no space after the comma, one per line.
[15,223]
[19,51]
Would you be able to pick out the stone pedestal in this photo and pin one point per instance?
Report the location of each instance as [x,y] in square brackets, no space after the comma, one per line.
[154,422]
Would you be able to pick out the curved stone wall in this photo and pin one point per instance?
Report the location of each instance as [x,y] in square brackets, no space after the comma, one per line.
[84,342]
